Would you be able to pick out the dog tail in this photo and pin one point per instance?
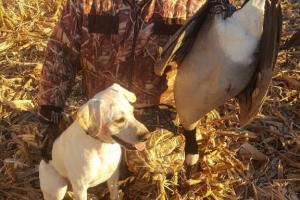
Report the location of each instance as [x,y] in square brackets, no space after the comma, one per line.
[53,185]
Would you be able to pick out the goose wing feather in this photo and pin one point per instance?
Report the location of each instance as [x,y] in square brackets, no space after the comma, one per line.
[181,42]
[252,97]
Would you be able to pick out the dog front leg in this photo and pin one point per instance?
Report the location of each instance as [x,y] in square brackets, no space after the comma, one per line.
[80,193]
[113,188]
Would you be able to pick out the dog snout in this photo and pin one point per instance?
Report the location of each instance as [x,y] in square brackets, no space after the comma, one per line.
[144,137]
[143,132]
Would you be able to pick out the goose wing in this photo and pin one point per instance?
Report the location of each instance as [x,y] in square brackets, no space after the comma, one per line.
[181,42]
[252,97]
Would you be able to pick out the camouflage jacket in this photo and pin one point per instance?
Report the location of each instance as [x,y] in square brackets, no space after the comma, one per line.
[97,36]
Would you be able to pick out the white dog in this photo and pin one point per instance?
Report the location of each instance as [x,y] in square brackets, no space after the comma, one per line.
[88,152]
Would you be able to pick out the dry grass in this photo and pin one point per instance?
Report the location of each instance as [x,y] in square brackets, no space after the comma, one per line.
[259,161]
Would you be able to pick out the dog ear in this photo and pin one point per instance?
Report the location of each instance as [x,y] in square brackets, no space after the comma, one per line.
[90,117]
[130,96]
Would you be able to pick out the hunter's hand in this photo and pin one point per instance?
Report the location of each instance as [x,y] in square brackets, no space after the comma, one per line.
[48,129]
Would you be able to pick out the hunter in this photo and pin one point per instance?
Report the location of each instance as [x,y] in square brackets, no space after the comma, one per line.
[109,41]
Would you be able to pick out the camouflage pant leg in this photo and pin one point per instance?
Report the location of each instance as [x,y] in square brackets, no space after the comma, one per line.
[157,116]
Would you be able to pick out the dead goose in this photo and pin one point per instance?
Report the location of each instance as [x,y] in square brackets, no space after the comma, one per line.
[222,55]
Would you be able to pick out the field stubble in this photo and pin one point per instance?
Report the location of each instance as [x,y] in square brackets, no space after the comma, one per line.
[258,161]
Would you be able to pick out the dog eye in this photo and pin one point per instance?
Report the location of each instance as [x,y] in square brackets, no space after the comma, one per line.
[120,120]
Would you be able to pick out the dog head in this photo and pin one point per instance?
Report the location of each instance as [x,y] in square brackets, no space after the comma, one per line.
[108,116]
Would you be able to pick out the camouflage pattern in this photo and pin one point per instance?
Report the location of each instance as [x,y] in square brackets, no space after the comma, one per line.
[104,58]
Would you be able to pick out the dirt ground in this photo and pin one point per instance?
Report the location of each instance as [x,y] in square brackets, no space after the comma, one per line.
[257,161]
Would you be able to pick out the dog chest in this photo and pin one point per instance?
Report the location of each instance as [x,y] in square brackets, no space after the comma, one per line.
[79,156]
[104,164]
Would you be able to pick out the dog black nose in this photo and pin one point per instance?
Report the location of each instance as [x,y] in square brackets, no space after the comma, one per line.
[144,137]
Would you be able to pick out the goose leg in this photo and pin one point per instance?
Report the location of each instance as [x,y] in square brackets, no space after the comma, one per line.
[191,150]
